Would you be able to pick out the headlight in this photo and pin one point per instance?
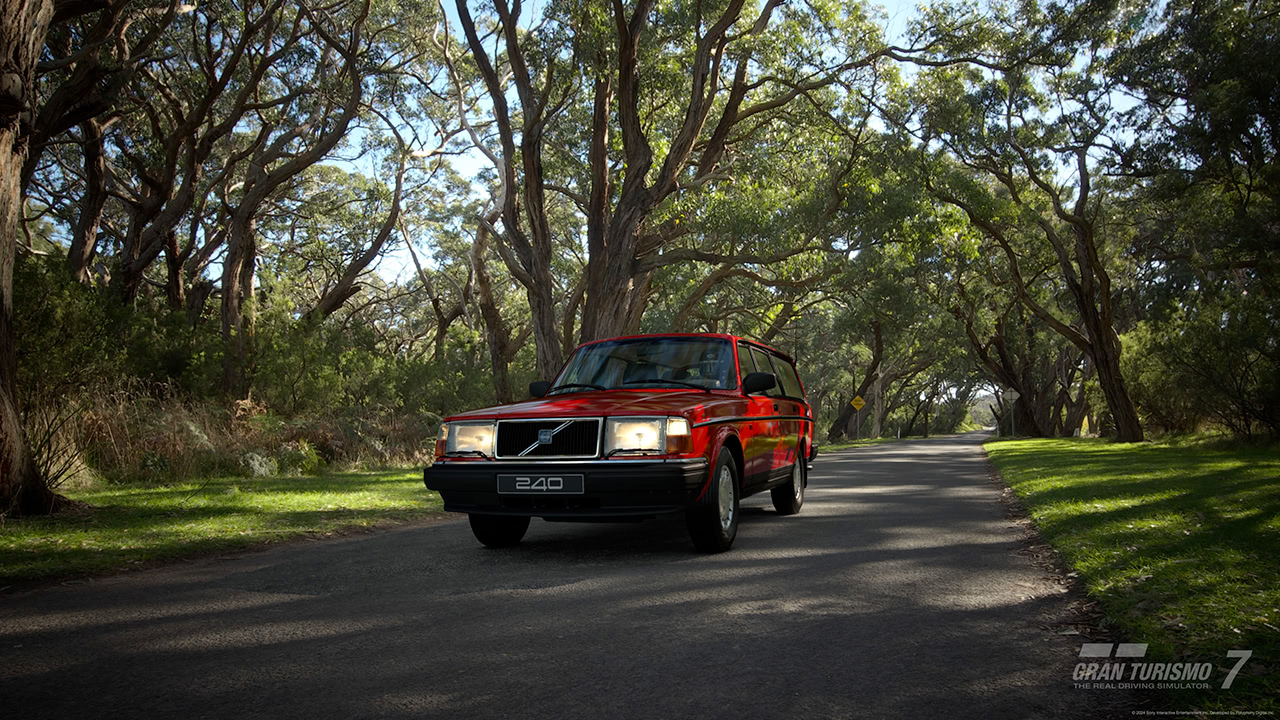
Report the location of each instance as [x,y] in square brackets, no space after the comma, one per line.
[626,436]
[468,438]
[644,436]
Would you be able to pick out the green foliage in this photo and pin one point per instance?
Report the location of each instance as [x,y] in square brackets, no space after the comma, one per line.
[1168,405]
[300,456]
[68,335]
[1216,361]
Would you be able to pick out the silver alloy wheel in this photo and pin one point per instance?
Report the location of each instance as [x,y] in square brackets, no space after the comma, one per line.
[725,488]
[797,482]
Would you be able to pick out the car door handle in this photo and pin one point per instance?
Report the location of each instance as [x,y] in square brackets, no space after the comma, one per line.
[775,406]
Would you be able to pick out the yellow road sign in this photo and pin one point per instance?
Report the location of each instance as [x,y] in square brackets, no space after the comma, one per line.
[857,402]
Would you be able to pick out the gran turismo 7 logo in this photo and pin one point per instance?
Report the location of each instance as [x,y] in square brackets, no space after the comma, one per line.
[1116,666]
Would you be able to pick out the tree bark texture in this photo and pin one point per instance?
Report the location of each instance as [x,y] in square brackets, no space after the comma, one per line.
[22,489]
[84,238]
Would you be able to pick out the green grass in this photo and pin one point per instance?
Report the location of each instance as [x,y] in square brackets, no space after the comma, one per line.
[847,444]
[1179,542]
[131,526]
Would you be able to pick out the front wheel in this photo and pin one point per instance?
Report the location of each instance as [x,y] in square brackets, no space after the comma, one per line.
[789,496]
[713,520]
[498,531]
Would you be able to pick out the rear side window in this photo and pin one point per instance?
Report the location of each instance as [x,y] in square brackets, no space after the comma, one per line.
[761,359]
[745,364]
[787,378]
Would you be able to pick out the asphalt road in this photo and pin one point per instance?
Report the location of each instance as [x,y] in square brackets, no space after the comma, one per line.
[898,592]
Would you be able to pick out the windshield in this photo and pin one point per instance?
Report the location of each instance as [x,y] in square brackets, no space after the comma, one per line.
[674,362]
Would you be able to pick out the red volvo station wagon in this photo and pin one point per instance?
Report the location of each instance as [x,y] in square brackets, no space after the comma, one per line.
[631,428]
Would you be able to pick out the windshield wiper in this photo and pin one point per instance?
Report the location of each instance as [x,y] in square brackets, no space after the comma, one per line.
[647,381]
[575,385]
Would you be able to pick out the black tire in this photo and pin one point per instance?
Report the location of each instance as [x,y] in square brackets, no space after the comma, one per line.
[789,496]
[713,525]
[499,531]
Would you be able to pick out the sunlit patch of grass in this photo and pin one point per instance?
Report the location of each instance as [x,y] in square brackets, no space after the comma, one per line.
[1179,542]
[130,526]
[847,444]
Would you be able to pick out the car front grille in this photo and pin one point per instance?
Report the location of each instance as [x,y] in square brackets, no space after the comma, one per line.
[579,438]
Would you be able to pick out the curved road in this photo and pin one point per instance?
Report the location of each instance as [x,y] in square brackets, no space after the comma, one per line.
[897,592]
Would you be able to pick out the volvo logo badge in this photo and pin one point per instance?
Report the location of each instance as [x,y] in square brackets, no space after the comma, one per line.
[544,437]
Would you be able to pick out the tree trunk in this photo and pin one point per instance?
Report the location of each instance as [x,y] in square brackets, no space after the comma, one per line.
[838,428]
[878,406]
[84,237]
[1028,421]
[135,256]
[174,289]
[197,297]
[237,307]
[853,428]
[1078,407]
[22,489]
[1106,358]
[611,294]
[546,335]
[495,328]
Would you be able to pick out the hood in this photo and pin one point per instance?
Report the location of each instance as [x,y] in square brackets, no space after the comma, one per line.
[601,403]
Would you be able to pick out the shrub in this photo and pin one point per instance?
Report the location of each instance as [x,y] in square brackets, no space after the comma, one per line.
[255,465]
[1218,361]
[148,433]
[299,456]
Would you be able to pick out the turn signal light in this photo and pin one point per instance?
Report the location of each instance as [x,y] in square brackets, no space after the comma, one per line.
[679,439]
[442,441]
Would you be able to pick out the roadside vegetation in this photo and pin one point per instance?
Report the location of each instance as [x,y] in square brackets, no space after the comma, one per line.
[136,525]
[848,444]
[1176,540]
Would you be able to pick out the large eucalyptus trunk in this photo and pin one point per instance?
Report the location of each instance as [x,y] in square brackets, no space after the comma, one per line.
[613,292]
[1111,380]
[175,288]
[84,238]
[237,307]
[546,330]
[497,334]
[22,489]
[1027,420]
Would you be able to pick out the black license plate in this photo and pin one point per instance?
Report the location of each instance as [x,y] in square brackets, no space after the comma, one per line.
[540,484]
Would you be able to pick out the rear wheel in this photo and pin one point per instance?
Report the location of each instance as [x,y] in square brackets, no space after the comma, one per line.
[713,520]
[789,496]
[498,531]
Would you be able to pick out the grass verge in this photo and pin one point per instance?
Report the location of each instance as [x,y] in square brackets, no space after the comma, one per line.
[130,526]
[1179,542]
[847,444]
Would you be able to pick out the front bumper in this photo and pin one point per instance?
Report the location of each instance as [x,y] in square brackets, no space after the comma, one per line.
[613,489]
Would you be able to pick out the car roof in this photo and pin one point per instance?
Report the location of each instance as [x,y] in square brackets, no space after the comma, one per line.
[718,336]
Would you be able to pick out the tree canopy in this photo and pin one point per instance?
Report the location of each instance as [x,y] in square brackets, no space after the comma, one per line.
[1062,212]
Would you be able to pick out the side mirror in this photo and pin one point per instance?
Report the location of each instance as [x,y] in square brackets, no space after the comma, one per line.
[758,382]
[539,388]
